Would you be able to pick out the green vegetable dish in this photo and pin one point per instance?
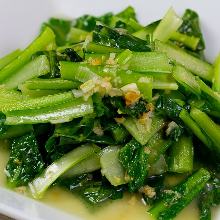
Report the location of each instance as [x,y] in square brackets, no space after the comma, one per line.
[104,106]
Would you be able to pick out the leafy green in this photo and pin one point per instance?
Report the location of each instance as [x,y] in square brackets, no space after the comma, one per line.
[75,183]
[41,183]
[126,20]
[8,132]
[54,65]
[168,107]
[134,159]
[100,108]
[54,58]
[209,197]
[97,194]
[107,36]
[92,189]
[118,103]
[109,106]
[49,126]
[157,182]
[144,130]
[25,161]
[173,200]
[123,25]
[61,28]
[66,135]
[44,41]
[191,27]
[88,22]
[3,127]
[127,13]
[118,132]
[70,55]
[176,133]
[33,69]
[147,31]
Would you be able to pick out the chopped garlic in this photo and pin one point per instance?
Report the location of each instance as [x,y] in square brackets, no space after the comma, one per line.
[101,85]
[154,98]
[148,191]
[145,121]
[131,93]
[111,60]
[115,92]
[127,177]
[121,31]
[94,61]
[77,93]
[150,107]
[147,150]
[21,189]
[87,41]
[129,87]
[98,129]
[172,125]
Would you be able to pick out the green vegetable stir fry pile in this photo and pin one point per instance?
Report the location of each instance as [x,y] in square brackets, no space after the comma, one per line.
[104,105]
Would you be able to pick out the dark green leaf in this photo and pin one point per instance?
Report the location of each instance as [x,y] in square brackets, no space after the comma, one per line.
[100,108]
[3,127]
[70,55]
[91,190]
[25,161]
[168,107]
[209,197]
[123,25]
[118,103]
[127,13]
[107,36]
[67,135]
[61,28]
[134,159]
[191,27]
[88,22]
[157,183]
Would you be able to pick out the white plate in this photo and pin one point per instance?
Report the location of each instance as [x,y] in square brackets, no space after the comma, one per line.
[19,23]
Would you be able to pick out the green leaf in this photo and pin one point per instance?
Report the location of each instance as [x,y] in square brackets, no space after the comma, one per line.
[191,27]
[61,28]
[134,159]
[25,161]
[106,36]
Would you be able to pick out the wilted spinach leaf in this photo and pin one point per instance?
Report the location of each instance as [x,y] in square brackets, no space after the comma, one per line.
[168,107]
[134,159]
[118,103]
[92,190]
[67,135]
[25,161]
[119,39]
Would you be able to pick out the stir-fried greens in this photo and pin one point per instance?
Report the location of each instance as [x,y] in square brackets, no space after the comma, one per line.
[104,105]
